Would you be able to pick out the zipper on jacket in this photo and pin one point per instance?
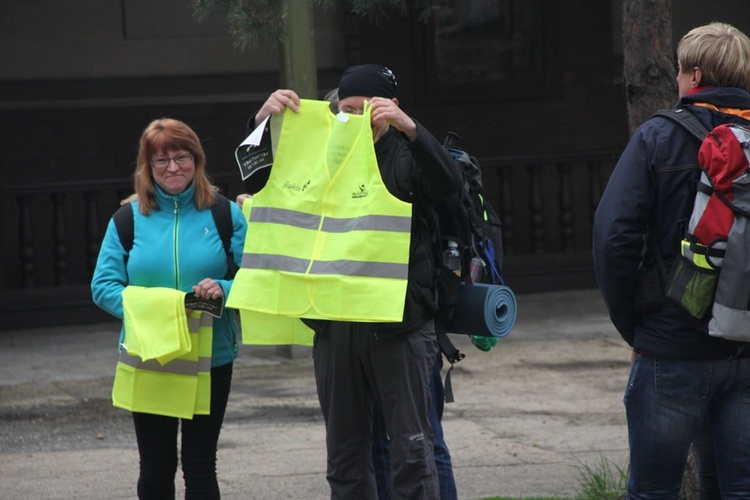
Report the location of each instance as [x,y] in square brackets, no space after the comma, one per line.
[175,252]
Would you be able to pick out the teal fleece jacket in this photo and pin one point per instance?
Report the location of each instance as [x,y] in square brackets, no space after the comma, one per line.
[175,246]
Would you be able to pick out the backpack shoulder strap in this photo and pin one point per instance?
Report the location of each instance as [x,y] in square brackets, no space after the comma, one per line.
[686,119]
[222,214]
[123,219]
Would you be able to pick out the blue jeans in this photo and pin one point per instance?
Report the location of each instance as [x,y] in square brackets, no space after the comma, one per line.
[667,402]
[381,457]
[708,482]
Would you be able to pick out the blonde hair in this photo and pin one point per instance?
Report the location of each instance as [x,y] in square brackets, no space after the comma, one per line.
[720,51]
[160,136]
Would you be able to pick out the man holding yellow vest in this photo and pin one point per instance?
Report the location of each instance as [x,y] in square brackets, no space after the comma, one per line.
[362,361]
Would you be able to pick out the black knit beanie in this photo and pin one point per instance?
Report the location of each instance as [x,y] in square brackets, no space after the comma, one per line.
[367,80]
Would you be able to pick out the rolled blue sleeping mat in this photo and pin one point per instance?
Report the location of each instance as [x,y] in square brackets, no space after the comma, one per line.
[485,311]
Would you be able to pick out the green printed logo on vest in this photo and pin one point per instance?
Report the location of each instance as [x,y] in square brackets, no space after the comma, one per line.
[293,186]
[361,192]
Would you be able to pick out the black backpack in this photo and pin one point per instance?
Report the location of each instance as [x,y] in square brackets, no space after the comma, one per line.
[221,212]
[467,218]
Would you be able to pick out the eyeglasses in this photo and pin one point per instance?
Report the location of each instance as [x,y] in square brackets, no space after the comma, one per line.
[352,111]
[180,160]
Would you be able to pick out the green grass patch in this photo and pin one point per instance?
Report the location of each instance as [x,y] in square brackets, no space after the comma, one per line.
[525,498]
[603,480]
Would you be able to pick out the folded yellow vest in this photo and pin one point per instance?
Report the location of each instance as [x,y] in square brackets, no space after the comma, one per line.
[155,323]
[180,388]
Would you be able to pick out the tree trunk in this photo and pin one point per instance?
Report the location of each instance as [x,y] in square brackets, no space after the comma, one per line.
[649,67]
[297,49]
[649,71]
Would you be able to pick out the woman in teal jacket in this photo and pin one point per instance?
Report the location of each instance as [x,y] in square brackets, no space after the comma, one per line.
[176,244]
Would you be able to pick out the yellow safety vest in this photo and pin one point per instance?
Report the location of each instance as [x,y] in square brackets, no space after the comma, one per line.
[180,388]
[270,329]
[325,239]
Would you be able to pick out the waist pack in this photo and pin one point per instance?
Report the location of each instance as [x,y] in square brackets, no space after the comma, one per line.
[712,274]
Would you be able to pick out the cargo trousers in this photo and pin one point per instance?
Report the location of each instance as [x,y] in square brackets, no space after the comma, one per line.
[356,367]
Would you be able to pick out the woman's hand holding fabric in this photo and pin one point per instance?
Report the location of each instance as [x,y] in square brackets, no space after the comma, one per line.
[208,289]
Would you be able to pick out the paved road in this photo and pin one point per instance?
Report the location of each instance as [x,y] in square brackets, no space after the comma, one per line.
[527,416]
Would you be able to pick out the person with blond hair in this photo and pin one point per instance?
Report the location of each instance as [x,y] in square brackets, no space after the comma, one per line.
[681,378]
[176,244]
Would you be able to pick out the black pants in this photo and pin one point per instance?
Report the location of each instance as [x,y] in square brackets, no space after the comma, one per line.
[355,369]
[157,447]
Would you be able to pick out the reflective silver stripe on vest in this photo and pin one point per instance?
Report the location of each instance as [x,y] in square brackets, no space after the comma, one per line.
[194,324]
[277,262]
[368,223]
[360,268]
[338,267]
[304,220]
[284,216]
[176,366]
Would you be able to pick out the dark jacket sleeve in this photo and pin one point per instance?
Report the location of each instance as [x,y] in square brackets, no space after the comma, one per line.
[418,171]
[250,126]
[441,174]
[620,227]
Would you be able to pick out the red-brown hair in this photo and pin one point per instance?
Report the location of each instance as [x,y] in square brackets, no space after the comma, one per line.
[162,135]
